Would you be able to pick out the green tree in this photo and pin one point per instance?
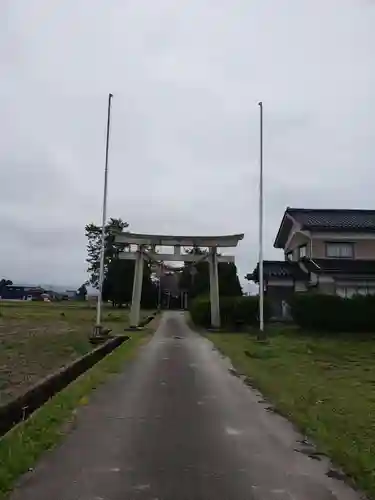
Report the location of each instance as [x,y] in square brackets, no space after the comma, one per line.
[111,249]
[229,284]
[195,279]
[118,282]
[4,283]
[82,292]
[149,298]
[118,274]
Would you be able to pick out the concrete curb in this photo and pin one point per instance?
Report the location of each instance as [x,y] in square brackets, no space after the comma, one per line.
[24,405]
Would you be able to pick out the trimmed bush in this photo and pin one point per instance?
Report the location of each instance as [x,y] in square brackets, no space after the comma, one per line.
[334,313]
[200,311]
[235,312]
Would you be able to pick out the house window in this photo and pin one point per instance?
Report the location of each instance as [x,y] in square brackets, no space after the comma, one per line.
[346,291]
[340,250]
[350,291]
[302,251]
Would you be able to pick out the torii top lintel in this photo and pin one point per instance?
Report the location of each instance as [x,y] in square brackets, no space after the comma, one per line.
[187,241]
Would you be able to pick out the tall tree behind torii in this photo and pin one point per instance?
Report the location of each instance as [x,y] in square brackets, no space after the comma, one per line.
[118,274]
[197,282]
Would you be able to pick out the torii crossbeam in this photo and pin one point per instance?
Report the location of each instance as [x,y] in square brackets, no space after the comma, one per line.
[144,241]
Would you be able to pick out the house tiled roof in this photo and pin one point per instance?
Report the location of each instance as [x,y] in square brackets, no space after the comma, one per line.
[334,219]
[333,267]
[325,220]
[341,266]
[278,269]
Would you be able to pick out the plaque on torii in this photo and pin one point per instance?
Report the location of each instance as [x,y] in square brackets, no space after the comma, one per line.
[144,242]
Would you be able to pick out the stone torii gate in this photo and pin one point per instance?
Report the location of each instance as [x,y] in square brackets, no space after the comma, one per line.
[146,250]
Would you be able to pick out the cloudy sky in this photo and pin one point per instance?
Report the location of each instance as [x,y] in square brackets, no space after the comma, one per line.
[186,77]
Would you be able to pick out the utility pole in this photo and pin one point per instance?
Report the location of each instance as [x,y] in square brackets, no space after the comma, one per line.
[98,329]
[261,277]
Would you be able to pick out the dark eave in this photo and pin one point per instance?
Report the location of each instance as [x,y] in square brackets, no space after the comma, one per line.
[278,269]
[284,230]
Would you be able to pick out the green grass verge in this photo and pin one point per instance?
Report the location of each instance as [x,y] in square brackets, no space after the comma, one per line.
[23,445]
[323,384]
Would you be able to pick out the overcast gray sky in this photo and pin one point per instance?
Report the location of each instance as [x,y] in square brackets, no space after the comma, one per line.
[186,77]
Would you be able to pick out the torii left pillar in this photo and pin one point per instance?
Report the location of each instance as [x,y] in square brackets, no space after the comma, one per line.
[137,289]
[214,288]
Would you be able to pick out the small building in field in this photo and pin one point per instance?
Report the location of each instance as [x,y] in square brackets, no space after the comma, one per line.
[22,292]
[70,294]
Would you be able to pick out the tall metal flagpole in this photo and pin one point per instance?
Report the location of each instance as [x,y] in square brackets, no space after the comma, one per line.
[261,277]
[98,327]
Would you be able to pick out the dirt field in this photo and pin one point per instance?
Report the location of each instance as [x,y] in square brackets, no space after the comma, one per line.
[37,338]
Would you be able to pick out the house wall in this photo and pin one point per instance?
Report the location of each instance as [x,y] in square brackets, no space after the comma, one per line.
[348,288]
[296,240]
[13,294]
[327,288]
[363,249]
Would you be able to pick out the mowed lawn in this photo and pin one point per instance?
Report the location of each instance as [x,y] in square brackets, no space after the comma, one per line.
[325,384]
[37,338]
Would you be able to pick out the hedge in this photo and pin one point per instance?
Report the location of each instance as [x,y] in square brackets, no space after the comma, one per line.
[334,313]
[234,311]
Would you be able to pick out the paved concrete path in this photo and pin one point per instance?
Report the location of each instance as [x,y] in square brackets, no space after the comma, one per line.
[176,425]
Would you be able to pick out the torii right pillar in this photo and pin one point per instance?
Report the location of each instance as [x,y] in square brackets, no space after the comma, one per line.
[214,288]
[137,289]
